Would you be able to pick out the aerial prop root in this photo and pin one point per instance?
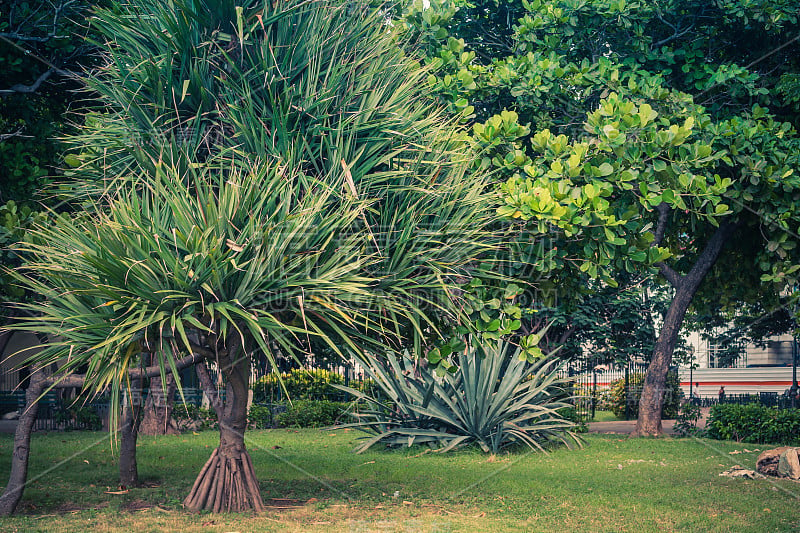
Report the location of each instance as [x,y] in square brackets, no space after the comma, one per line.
[227,483]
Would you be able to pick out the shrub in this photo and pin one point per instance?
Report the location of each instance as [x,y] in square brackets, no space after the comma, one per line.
[754,423]
[260,417]
[78,417]
[572,414]
[604,399]
[302,384]
[686,421]
[191,417]
[313,414]
[672,399]
[495,399]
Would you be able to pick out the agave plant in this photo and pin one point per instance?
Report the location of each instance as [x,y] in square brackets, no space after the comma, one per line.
[494,399]
[264,175]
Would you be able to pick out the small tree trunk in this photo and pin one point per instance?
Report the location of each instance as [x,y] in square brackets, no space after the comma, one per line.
[227,482]
[158,407]
[654,387]
[22,443]
[129,433]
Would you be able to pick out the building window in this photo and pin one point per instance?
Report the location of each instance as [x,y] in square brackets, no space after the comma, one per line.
[726,355]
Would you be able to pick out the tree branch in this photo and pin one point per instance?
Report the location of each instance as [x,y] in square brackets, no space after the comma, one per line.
[677,32]
[668,272]
[78,380]
[661,226]
[712,250]
[566,335]
[31,38]
[32,88]
[6,136]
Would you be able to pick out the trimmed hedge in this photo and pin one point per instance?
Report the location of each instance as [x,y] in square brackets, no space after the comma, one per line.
[300,414]
[302,384]
[313,414]
[754,423]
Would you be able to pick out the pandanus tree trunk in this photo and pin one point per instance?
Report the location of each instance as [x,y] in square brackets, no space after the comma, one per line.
[227,482]
[22,445]
[129,433]
[158,407]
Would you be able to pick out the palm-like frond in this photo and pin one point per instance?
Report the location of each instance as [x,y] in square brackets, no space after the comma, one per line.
[267,172]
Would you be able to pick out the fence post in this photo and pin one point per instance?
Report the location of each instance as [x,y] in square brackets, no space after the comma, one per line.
[627,394]
[594,391]
[794,388]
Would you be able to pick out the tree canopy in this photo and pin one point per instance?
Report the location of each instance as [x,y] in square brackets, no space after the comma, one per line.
[260,175]
[656,140]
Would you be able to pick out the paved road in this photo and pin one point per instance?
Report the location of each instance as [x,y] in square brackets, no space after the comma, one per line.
[626,427]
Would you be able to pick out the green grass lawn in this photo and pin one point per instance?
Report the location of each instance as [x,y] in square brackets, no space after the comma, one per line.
[605,416]
[314,483]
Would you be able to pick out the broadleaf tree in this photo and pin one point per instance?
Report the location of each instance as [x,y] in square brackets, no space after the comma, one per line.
[656,140]
[264,177]
[42,48]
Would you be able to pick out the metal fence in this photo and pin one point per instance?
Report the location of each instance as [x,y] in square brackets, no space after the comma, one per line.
[767,399]
[589,384]
[587,387]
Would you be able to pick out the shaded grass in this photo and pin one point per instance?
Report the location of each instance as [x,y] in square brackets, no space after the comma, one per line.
[605,416]
[613,484]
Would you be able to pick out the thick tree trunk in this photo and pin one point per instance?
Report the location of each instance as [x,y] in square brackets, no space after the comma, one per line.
[227,482]
[655,380]
[158,407]
[12,494]
[654,388]
[22,444]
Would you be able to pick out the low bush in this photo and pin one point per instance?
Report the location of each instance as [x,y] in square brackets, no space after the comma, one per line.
[313,414]
[299,414]
[78,417]
[571,414]
[302,384]
[687,419]
[189,417]
[603,400]
[620,397]
[260,417]
[754,423]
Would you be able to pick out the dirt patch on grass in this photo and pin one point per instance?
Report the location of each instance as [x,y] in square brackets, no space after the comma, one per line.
[72,507]
[136,505]
[279,504]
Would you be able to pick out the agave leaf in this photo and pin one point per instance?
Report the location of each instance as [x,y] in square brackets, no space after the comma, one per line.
[493,400]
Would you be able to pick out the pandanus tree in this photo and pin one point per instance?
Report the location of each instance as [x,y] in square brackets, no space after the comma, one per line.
[265,177]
